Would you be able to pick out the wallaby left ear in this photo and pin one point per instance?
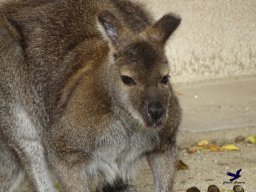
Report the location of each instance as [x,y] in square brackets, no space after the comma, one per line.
[118,35]
[159,32]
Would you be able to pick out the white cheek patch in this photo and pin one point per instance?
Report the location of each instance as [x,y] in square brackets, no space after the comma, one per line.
[136,115]
[133,112]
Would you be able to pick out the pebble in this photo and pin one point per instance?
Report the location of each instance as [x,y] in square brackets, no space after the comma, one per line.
[193,189]
[238,188]
[213,188]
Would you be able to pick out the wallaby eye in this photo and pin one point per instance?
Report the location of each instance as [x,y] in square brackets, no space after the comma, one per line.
[128,80]
[115,56]
[165,79]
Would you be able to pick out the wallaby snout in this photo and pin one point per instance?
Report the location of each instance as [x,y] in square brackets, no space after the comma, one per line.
[155,112]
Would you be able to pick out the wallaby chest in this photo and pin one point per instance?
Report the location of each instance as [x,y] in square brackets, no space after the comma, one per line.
[119,153]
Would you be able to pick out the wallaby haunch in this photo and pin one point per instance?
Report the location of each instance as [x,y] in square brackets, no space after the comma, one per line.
[84,89]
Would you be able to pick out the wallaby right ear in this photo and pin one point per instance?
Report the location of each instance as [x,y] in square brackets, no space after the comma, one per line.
[160,31]
[118,35]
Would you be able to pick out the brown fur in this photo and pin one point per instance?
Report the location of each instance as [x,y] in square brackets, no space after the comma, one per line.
[75,54]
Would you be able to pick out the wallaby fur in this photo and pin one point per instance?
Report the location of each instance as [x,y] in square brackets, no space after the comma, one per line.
[84,86]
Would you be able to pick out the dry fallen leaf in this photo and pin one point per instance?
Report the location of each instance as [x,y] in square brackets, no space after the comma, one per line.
[214,148]
[58,187]
[230,147]
[251,139]
[239,139]
[180,165]
[194,149]
[203,143]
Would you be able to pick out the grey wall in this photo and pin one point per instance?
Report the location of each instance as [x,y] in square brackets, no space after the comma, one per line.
[217,38]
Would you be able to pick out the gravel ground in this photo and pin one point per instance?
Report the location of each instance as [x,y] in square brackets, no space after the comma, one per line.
[207,168]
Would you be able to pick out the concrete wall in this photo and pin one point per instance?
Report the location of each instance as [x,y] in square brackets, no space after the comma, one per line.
[217,38]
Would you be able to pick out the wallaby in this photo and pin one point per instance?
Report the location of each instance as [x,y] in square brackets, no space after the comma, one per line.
[87,84]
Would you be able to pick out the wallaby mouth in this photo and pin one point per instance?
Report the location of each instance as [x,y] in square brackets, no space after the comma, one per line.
[157,124]
[154,123]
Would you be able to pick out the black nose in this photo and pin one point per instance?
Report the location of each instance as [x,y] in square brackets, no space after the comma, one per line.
[155,111]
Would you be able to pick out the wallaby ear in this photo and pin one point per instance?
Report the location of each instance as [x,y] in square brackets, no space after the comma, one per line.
[159,32]
[113,28]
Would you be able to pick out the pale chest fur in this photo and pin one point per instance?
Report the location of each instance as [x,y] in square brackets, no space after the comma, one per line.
[119,153]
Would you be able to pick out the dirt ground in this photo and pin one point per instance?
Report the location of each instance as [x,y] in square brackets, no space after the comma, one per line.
[207,168]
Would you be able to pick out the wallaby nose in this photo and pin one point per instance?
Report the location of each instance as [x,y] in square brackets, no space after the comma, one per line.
[155,111]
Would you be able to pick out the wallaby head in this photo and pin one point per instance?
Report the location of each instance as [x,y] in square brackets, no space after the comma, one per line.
[138,73]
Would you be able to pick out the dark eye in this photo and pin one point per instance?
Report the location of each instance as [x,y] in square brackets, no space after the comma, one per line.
[128,80]
[165,79]
[115,56]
